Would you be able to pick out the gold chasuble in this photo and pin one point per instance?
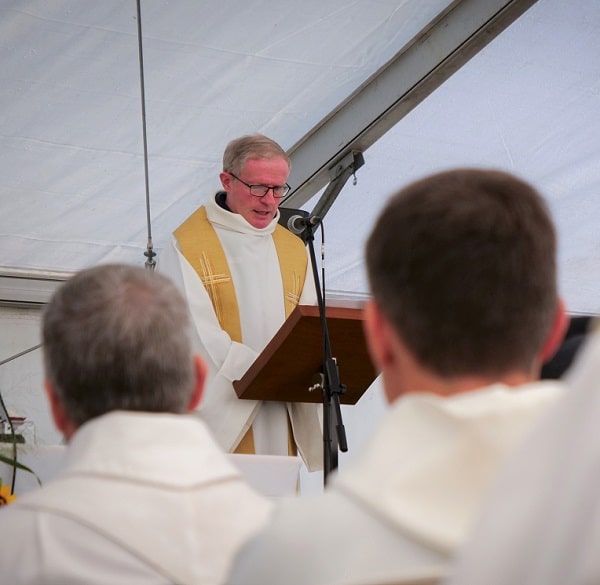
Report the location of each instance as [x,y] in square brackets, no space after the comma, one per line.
[200,245]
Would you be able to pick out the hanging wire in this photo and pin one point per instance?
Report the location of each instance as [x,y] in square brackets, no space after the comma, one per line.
[322,227]
[18,355]
[149,253]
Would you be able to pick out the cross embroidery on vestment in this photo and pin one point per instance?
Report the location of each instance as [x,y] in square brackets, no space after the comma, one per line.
[211,281]
[293,295]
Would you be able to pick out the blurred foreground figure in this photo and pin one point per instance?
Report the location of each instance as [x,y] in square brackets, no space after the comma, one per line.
[146,495]
[541,523]
[464,312]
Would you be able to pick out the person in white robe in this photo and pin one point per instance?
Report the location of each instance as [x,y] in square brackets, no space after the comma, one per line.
[540,523]
[462,268]
[146,495]
[242,274]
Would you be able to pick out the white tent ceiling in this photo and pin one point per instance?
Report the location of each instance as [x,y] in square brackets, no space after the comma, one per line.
[73,190]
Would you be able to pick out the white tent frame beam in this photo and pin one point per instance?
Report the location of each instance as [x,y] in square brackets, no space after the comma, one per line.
[28,288]
[399,86]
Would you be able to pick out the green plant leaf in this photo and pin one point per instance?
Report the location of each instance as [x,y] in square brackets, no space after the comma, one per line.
[10,461]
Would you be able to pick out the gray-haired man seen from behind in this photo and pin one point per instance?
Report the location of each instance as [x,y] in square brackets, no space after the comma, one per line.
[146,495]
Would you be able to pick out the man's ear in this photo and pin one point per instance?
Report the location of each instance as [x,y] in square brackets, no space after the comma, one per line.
[377,333]
[200,375]
[59,414]
[225,180]
[557,332]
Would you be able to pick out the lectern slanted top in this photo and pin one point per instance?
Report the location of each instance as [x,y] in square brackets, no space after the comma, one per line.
[291,362]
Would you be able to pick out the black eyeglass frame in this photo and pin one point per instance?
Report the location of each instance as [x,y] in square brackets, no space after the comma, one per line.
[286,188]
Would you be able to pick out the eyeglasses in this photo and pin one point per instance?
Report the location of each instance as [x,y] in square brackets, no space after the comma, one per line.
[279,191]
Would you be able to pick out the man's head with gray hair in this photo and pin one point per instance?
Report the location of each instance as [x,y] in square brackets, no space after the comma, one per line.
[251,146]
[116,337]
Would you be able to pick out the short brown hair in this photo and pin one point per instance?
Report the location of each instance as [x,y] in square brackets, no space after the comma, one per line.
[239,150]
[463,264]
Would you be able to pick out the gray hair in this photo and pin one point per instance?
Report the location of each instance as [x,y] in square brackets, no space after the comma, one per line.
[253,146]
[116,337]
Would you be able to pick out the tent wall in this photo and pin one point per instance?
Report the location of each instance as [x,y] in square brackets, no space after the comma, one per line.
[70,130]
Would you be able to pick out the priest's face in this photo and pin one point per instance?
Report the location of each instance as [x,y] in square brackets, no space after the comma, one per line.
[270,172]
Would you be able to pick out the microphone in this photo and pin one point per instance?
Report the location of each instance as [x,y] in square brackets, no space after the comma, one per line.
[298,223]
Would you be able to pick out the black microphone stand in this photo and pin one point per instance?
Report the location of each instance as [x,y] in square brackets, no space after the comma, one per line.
[329,376]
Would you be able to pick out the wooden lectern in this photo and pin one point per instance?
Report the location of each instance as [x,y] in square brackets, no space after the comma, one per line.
[289,367]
